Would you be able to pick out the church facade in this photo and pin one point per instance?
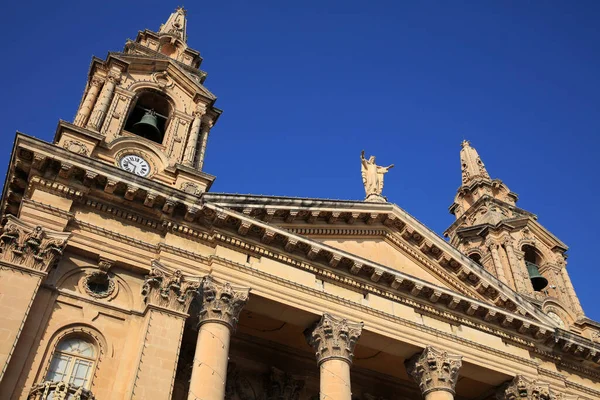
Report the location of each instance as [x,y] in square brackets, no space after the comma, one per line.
[123,277]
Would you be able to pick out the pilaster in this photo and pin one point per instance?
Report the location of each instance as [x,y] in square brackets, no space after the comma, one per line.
[168,295]
[435,371]
[28,252]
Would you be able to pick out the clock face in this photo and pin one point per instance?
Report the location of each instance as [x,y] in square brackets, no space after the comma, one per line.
[135,164]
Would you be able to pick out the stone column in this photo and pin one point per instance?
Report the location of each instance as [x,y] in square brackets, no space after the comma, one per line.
[28,252]
[575,304]
[333,340]
[168,295]
[99,111]
[521,276]
[88,102]
[206,127]
[436,373]
[497,262]
[219,312]
[522,388]
[190,151]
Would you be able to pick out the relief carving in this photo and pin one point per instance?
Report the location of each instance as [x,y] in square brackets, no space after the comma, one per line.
[282,385]
[221,302]
[76,146]
[31,246]
[434,370]
[334,338]
[170,289]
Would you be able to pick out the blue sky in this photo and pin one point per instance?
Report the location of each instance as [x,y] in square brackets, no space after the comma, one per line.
[306,85]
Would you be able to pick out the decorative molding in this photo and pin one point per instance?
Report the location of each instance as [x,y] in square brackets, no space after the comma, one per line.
[334,338]
[169,289]
[31,246]
[98,277]
[221,302]
[434,370]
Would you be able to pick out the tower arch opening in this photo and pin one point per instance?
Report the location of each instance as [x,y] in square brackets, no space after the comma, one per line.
[533,259]
[150,115]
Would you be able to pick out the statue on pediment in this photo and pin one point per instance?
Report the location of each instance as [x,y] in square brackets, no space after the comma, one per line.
[372,176]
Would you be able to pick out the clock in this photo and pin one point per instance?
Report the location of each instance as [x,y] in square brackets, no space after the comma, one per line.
[135,164]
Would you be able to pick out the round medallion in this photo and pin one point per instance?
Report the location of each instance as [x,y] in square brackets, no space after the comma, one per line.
[135,164]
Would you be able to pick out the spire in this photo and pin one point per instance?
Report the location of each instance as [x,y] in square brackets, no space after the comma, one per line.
[472,167]
[175,25]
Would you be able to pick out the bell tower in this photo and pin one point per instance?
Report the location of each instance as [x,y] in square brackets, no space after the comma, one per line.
[146,110]
[509,242]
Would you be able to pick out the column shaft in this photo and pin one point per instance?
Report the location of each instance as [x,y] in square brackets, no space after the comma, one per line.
[333,340]
[218,316]
[95,121]
[497,263]
[335,380]
[88,103]
[439,396]
[576,305]
[203,143]
[190,151]
[167,295]
[521,277]
[209,373]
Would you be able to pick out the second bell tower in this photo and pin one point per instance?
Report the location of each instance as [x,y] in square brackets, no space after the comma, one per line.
[509,242]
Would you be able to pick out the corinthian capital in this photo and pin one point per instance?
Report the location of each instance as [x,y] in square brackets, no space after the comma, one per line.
[434,370]
[31,246]
[334,337]
[169,289]
[221,302]
[522,388]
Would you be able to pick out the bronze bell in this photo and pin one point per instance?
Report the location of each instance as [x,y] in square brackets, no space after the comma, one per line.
[537,280]
[148,127]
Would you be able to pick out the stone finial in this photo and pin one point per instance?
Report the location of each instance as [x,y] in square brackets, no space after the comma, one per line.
[434,370]
[31,246]
[471,165]
[170,289]
[334,337]
[175,25]
[221,302]
[523,388]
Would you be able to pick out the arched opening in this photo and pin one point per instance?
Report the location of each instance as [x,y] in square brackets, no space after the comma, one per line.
[168,49]
[73,362]
[149,116]
[532,262]
[476,257]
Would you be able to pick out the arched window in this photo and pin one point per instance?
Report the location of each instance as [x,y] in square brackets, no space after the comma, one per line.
[475,257]
[73,362]
[149,116]
[532,262]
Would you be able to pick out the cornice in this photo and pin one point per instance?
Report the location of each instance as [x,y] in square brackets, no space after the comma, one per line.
[238,228]
[418,306]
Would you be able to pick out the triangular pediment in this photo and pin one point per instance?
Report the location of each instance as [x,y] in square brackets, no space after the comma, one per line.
[384,252]
[186,77]
[381,242]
